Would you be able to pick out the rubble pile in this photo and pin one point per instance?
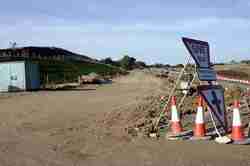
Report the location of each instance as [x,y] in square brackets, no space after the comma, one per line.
[136,120]
[140,119]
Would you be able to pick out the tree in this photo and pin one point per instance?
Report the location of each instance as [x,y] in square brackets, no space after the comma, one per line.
[245,61]
[233,62]
[167,65]
[140,64]
[158,65]
[127,62]
[107,61]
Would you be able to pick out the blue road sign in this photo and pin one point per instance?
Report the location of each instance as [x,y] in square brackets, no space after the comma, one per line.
[199,50]
[214,97]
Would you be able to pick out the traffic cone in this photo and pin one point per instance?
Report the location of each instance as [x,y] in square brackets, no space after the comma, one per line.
[237,131]
[199,128]
[176,126]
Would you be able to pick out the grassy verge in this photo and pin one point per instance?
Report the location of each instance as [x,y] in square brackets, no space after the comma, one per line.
[61,72]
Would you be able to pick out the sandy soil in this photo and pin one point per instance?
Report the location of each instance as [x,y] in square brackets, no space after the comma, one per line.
[64,128]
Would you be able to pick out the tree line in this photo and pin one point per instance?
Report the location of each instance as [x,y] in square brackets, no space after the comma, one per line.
[127,63]
[130,63]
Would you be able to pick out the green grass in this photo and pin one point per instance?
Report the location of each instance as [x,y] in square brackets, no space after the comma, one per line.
[101,69]
[60,72]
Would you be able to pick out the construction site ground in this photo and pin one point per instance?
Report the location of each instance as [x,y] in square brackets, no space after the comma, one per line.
[87,126]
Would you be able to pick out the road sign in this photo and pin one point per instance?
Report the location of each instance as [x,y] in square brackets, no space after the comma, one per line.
[199,50]
[214,97]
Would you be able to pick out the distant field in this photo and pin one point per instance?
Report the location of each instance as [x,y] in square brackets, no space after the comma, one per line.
[245,67]
[240,71]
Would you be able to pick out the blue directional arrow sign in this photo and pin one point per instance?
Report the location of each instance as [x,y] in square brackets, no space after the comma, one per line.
[214,97]
[216,102]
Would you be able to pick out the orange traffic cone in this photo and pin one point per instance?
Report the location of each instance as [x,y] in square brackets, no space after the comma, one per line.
[237,131]
[199,128]
[176,126]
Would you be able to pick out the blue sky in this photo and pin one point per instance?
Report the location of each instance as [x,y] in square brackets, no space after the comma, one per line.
[149,30]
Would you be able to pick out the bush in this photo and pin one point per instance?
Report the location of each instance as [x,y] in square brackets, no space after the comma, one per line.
[127,62]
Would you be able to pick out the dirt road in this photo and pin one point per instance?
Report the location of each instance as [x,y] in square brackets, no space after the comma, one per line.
[64,128]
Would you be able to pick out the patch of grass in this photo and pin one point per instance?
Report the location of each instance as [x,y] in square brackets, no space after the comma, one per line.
[61,72]
[101,69]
